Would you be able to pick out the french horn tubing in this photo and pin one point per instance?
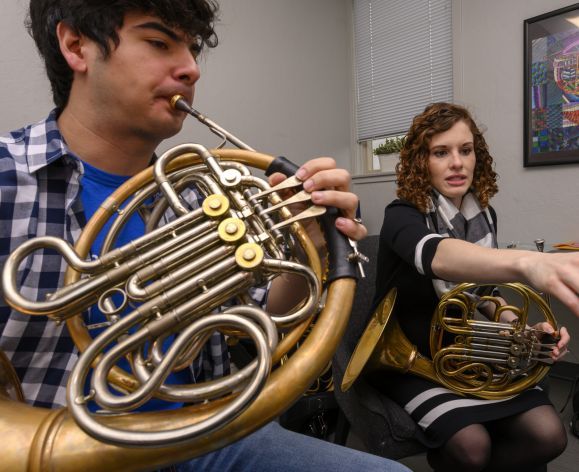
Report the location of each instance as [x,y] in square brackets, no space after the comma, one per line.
[170,282]
[484,358]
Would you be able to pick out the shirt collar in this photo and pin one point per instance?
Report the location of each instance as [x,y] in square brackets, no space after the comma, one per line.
[45,144]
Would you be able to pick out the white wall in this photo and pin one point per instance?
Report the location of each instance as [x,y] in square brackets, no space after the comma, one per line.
[280,78]
[532,202]
[24,90]
[538,202]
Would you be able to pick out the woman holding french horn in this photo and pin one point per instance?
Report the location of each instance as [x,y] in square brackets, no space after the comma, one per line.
[442,229]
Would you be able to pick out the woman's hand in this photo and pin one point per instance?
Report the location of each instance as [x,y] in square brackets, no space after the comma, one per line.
[562,337]
[330,186]
[557,274]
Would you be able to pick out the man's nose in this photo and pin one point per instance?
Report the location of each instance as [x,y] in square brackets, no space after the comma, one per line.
[187,70]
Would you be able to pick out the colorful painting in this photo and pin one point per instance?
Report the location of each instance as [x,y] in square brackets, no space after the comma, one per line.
[552,88]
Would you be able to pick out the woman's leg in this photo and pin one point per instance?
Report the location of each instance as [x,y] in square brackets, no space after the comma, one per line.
[527,441]
[273,448]
[467,450]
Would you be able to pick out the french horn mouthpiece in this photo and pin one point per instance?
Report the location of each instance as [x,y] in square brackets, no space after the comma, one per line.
[178,102]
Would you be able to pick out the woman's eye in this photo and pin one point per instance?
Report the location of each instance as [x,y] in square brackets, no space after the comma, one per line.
[439,153]
[467,151]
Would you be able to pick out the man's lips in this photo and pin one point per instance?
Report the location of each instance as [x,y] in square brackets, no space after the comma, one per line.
[169,94]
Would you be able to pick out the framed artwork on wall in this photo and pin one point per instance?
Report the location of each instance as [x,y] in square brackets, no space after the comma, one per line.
[552,88]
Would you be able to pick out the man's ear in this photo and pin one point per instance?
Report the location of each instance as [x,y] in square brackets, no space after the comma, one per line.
[72,47]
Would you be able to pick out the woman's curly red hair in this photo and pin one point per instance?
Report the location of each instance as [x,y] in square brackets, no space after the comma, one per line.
[413,176]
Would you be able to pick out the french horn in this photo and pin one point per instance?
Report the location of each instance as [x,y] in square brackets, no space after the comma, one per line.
[172,281]
[471,356]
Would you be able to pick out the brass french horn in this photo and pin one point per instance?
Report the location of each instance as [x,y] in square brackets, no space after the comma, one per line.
[171,281]
[485,358]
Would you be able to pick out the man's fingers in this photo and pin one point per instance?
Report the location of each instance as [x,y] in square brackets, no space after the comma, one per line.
[345,201]
[315,165]
[338,179]
[330,187]
[351,228]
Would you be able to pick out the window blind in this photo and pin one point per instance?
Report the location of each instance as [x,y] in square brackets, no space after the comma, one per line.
[403,52]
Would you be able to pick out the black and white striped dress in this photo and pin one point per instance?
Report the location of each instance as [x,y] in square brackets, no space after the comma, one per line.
[407,247]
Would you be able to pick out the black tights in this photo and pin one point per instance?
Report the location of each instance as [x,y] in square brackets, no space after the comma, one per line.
[527,441]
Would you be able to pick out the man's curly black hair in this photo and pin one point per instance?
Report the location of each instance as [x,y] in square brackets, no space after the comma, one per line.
[100,20]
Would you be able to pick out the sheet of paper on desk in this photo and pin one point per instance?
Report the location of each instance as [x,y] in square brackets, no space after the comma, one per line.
[568,246]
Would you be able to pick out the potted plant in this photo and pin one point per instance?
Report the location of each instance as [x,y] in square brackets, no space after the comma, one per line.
[388,151]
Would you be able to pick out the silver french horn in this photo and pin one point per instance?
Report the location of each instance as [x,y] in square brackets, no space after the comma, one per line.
[171,282]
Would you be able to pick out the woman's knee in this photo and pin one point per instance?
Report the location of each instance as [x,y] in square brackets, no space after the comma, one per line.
[474,456]
[546,433]
[469,449]
[552,437]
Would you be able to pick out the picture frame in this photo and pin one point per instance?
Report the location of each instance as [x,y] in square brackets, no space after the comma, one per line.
[551,85]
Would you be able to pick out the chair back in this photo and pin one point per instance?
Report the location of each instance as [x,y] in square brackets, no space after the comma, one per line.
[384,427]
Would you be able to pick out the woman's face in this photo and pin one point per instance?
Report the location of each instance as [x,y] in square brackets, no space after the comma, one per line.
[451,162]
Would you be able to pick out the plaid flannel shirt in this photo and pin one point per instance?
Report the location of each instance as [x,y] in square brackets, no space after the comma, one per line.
[40,183]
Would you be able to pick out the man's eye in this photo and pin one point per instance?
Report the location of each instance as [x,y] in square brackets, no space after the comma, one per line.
[196,49]
[197,45]
[158,44]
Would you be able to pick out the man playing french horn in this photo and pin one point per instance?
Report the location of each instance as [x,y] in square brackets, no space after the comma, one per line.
[114,68]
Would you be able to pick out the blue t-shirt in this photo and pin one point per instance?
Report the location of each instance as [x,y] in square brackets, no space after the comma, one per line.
[96,186]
